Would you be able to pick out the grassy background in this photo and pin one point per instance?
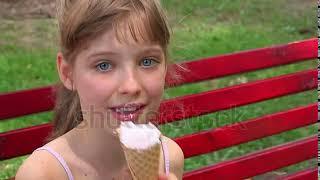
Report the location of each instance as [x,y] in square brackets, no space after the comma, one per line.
[201,28]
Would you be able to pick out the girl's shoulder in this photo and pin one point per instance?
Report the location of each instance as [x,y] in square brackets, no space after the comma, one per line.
[176,157]
[174,149]
[40,165]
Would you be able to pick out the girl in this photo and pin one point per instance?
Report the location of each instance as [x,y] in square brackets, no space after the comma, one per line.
[112,66]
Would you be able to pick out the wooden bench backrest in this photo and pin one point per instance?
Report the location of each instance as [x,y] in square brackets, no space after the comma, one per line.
[23,141]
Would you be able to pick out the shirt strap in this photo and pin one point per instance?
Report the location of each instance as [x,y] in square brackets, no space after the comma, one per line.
[166,155]
[59,158]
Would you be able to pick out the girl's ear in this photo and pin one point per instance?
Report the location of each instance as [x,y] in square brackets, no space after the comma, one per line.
[64,71]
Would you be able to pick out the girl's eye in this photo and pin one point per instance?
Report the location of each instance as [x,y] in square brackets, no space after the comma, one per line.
[148,62]
[104,66]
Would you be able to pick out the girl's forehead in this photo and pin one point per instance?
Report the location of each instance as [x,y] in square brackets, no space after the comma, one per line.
[109,40]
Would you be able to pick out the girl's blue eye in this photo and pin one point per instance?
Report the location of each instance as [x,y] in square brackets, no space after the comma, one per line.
[148,62]
[104,66]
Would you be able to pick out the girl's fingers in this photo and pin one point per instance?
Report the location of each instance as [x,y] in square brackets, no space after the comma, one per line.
[163,177]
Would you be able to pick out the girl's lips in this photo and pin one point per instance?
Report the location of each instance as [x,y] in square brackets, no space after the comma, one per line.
[133,116]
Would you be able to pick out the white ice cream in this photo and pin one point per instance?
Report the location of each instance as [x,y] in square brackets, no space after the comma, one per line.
[139,136]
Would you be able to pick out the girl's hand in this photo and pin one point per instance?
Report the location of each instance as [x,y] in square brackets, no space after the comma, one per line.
[169,177]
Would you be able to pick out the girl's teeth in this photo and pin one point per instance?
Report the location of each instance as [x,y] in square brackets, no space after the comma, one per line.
[127,109]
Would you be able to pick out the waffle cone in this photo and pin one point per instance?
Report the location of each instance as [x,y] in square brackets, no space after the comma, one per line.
[143,164]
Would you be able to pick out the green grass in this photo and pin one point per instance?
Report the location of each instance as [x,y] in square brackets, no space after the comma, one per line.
[201,28]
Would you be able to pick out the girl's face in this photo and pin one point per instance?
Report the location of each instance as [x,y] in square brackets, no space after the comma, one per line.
[109,74]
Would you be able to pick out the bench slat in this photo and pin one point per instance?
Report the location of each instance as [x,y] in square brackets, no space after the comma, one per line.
[43,98]
[246,61]
[263,161]
[238,95]
[26,102]
[249,130]
[24,141]
[309,174]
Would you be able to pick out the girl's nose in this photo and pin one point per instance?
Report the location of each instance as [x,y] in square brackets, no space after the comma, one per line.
[130,83]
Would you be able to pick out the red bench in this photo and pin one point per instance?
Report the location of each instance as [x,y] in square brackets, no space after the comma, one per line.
[23,141]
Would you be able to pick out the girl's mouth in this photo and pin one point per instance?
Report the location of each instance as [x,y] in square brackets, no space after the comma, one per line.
[127,114]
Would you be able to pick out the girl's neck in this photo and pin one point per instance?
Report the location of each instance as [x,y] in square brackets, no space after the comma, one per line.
[98,147]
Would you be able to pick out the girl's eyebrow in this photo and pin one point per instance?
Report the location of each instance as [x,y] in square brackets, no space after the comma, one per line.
[152,50]
[101,53]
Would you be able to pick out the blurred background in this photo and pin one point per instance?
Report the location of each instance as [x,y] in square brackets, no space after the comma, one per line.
[201,28]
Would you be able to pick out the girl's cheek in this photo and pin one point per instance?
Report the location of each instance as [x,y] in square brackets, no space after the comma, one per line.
[158,86]
[93,90]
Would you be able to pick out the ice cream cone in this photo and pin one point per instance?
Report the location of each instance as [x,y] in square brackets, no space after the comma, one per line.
[143,164]
[142,157]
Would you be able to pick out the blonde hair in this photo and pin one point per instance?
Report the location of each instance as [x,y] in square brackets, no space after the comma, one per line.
[82,20]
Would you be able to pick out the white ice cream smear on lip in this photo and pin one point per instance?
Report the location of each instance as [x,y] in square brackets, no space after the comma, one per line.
[139,136]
